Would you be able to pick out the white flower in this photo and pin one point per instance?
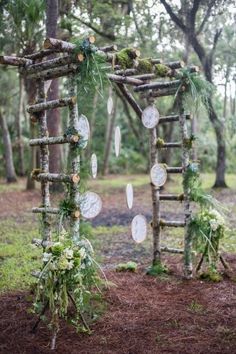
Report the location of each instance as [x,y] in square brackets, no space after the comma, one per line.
[82,252]
[68,253]
[214,225]
[70,265]
[46,257]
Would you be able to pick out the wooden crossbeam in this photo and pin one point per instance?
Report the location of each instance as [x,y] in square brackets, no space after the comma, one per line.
[61,102]
[172,197]
[168,223]
[54,140]
[172,118]
[171,250]
[45,210]
[169,145]
[174,169]
[57,177]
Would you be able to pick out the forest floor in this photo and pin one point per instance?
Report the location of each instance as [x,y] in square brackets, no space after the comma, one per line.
[142,314]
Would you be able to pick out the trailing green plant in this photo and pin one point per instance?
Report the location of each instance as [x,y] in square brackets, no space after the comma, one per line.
[192,184]
[69,275]
[194,89]
[92,74]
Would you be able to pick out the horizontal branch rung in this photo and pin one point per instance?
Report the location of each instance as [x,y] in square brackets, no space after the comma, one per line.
[54,140]
[170,119]
[171,250]
[159,86]
[45,210]
[124,80]
[61,102]
[174,169]
[169,145]
[56,177]
[172,223]
[179,197]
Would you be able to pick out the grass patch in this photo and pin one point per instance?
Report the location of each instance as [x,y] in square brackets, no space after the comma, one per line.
[18,258]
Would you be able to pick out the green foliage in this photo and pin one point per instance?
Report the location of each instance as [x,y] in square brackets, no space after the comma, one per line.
[211,275]
[157,269]
[159,143]
[127,267]
[161,70]
[125,58]
[69,272]
[192,184]
[144,66]
[207,228]
[194,89]
[92,72]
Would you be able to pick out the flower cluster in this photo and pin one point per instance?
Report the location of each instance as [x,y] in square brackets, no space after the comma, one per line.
[69,273]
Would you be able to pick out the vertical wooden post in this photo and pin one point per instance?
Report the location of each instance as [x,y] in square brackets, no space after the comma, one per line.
[155,199]
[188,268]
[75,162]
[44,165]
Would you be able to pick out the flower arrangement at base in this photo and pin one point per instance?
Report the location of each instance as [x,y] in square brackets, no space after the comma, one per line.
[208,228]
[69,274]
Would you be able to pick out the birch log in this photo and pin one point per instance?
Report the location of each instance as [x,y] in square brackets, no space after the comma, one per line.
[57,177]
[159,86]
[44,165]
[15,61]
[155,201]
[172,118]
[75,161]
[130,99]
[45,210]
[188,268]
[54,140]
[54,72]
[61,102]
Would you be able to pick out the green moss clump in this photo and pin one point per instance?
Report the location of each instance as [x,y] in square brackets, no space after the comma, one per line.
[159,143]
[188,143]
[144,66]
[157,269]
[125,57]
[127,267]
[211,275]
[161,70]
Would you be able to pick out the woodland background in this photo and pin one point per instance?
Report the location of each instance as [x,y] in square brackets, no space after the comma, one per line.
[199,32]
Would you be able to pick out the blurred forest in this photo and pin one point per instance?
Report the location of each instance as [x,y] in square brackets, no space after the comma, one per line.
[199,32]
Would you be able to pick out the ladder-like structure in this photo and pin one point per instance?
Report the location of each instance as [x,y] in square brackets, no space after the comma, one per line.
[138,75]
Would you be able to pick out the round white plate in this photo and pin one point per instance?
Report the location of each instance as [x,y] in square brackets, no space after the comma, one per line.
[117,141]
[158,175]
[90,205]
[129,195]
[139,228]
[94,165]
[150,117]
[109,105]
[83,129]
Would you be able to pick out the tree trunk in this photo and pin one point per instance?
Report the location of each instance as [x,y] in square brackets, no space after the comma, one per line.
[20,143]
[109,133]
[30,88]
[53,116]
[8,156]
